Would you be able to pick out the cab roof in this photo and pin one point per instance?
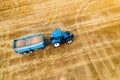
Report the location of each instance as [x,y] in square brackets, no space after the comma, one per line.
[56,33]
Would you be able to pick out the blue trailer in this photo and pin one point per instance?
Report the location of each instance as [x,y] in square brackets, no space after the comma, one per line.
[57,37]
[29,44]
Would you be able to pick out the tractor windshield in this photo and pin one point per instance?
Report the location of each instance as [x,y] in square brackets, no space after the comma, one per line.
[56,38]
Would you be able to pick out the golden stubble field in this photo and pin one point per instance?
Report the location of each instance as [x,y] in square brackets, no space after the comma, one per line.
[94,54]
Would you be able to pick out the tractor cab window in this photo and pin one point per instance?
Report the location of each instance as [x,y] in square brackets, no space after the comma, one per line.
[56,38]
[67,33]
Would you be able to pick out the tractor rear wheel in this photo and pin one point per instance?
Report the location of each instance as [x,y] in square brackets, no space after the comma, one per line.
[56,45]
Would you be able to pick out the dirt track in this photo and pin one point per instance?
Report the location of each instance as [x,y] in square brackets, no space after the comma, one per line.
[94,54]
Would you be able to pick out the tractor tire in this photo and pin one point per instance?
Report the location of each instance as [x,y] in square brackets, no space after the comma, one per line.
[69,40]
[56,45]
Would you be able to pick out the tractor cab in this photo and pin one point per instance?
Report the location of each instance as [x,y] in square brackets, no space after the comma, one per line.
[57,37]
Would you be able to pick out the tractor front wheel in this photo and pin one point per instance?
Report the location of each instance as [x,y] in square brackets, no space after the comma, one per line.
[69,41]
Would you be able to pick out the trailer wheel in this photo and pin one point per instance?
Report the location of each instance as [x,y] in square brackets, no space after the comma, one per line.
[37,49]
[69,41]
[56,45]
[30,52]
[24,53]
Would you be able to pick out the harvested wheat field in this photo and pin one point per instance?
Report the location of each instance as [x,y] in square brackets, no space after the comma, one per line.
[94,54]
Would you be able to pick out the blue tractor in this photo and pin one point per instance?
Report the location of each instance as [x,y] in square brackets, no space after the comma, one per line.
[29,44]
[57,37]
